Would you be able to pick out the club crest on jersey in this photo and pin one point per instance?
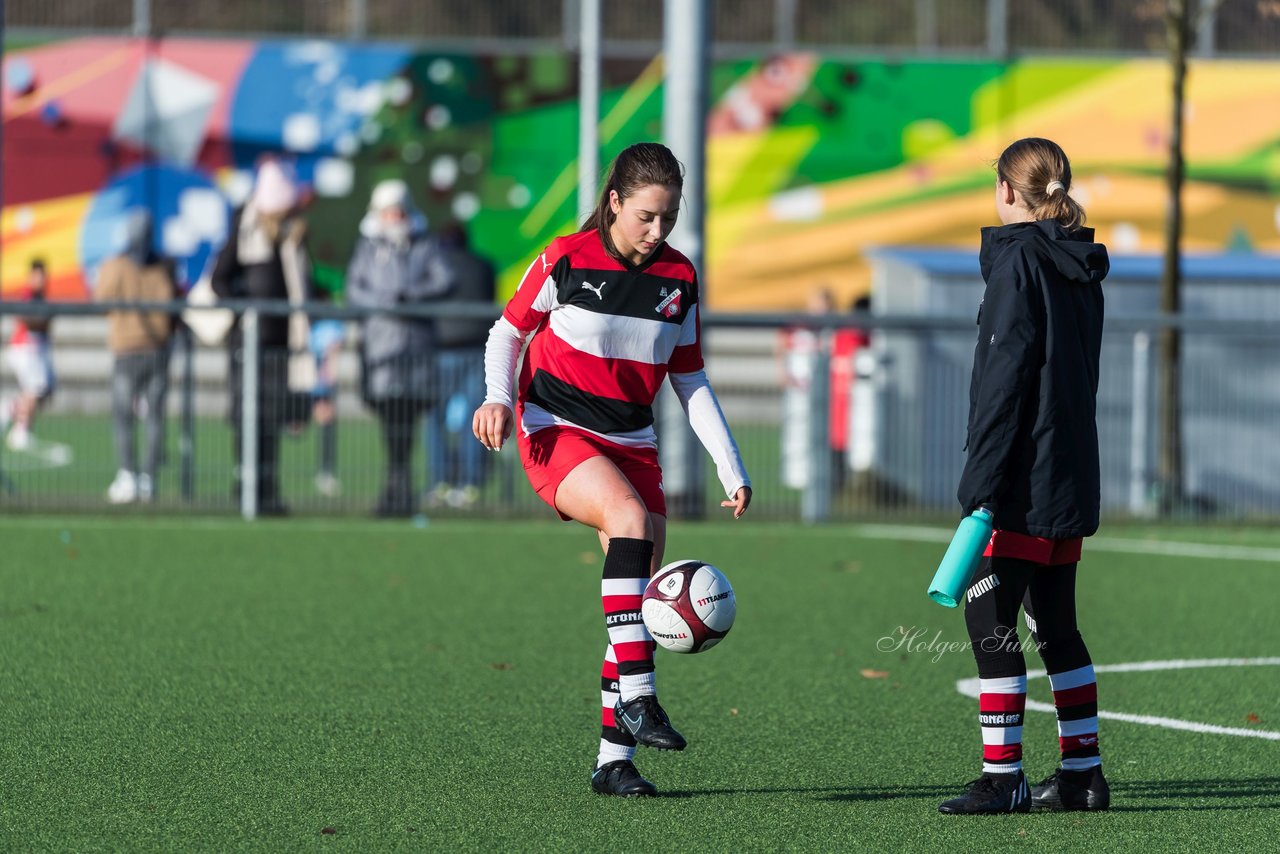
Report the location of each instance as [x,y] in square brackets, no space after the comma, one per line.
[670,305]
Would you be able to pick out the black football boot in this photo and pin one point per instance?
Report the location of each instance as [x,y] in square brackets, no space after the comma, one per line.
[989,794]
[645,721]
[621,778]
[1072,790]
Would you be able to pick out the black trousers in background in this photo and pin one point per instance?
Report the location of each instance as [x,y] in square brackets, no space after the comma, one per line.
[399,421]
[273,390]
[1047,593]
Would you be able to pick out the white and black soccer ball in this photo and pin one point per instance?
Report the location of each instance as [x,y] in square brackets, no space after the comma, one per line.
[688,606]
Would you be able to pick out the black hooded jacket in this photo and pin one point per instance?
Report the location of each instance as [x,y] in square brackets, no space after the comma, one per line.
[1033,436]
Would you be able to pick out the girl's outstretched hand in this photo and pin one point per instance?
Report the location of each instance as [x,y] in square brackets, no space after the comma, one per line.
[492,425]
[740,502]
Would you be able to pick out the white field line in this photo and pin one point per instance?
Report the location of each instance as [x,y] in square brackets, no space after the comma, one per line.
[970,688]
[1168,548]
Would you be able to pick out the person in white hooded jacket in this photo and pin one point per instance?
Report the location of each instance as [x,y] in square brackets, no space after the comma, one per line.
[397,262]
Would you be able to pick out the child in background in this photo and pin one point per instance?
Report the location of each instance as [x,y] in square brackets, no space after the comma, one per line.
[1033,460]
[29,358]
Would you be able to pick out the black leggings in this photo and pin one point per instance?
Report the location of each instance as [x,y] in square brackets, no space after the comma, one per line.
[399,419]
[1048,594]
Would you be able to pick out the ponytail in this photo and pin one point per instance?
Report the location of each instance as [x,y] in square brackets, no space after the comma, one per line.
[1057,204]
[602,217]
[1039,170]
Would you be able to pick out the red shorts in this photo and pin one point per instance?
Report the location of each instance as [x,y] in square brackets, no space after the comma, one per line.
[1039,550]
[551,453]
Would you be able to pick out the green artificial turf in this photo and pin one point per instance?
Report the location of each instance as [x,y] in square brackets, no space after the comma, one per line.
[208,685]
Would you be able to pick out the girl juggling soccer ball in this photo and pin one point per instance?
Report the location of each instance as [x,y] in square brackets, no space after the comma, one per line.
[613,311]
[1033,462]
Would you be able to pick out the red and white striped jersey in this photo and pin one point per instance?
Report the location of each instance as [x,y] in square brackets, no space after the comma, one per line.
[605,335]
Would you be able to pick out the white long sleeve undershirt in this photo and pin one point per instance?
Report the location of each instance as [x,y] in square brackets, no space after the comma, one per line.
[709,424]
[502,351]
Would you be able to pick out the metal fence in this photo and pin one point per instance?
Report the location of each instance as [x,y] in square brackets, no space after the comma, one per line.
[996,28]
[868,432]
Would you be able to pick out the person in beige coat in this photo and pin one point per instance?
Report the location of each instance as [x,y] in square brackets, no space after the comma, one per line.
[139,341]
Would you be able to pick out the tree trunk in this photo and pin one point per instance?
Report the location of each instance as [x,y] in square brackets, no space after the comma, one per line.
[1169,463]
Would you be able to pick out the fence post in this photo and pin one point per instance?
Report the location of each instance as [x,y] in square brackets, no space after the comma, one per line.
[686,43]
[998,28]
[357,19]
[250,364]
[815,501]
[588,106]
[784,25]
[926,25]
[1140,425]
[142,18]
[187,438]
[1207,32]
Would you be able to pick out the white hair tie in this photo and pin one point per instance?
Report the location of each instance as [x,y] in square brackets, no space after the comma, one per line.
[1054,186]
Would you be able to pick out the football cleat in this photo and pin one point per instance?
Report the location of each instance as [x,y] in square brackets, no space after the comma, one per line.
[991,793]
[1072,790]
[645,721]
[621,778]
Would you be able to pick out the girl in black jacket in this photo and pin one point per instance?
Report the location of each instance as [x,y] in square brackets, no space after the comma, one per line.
[1033,461]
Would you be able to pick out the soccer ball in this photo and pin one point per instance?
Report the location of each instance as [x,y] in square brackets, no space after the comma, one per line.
[688,606]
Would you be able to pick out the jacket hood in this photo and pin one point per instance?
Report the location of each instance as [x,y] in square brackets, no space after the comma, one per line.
[371,227]
[1073,253]
[136,236]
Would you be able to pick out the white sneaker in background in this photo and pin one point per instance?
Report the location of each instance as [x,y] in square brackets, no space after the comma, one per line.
[144,487]
[438,496]
[19,438]
[328,485]
[463,498]
[123,489]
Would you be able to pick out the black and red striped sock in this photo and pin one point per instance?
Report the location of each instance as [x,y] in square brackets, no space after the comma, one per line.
[626,573]
[1002,702]
[1075,697]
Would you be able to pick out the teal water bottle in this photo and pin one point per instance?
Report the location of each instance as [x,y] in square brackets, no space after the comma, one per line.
[961,560]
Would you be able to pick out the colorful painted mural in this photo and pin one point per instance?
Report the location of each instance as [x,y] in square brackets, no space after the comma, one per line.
[809,161]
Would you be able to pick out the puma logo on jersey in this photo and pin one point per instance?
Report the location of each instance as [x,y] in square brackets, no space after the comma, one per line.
[543,259]
[598,290]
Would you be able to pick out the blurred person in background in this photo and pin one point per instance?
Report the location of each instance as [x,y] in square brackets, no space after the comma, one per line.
[139,343]
[29,357]
[397,263]
[456,462]
[265,258]
[846,343]
[325,341]
[795,348]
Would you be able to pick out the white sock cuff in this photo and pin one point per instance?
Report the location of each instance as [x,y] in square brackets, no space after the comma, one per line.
[1002,768]
[637,685]
[1083,764]
[610,752]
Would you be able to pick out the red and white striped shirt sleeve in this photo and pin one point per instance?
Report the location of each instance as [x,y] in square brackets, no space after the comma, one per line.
[534,298]
[536,294]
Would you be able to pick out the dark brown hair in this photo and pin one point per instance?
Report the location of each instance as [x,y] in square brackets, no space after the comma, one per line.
[1029,166]
[641,165]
